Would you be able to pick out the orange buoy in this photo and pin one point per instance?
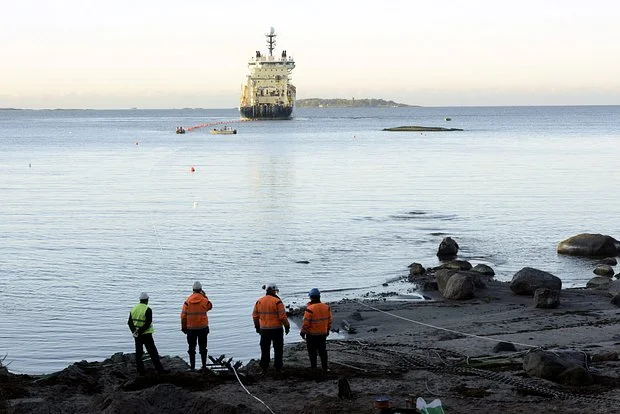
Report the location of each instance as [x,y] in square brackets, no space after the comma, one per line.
[192,169]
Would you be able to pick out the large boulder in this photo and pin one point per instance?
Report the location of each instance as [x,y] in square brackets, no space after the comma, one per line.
[589,245]
[459,286]
[455,284]
[558,366]
[442,276]
[528,279]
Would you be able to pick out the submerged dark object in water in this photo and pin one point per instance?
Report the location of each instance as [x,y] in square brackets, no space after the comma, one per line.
[417,128]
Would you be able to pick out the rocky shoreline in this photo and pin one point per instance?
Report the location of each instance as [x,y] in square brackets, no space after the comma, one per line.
[400,350]
[493,350]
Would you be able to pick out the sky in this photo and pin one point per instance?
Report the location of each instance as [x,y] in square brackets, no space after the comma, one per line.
[177,54]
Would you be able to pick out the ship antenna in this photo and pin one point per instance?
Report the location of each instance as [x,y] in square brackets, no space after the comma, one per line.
[271,41]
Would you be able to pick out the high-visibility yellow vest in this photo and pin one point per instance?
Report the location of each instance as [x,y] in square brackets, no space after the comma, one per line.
[138,316]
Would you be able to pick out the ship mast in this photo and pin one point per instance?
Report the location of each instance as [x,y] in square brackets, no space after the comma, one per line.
[271,41]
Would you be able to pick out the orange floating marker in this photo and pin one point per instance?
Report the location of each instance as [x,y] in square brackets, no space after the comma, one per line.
[192,169]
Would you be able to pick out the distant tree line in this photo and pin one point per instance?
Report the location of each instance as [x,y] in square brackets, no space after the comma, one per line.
[347,103]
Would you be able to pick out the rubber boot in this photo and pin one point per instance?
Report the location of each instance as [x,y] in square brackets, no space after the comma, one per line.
[203,357]
[192,362]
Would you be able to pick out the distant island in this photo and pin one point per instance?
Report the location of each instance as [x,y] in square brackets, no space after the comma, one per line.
[348,103]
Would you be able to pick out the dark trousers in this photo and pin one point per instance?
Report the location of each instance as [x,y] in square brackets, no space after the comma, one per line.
[146,341]
[200,336]
[317,344]
[267,336]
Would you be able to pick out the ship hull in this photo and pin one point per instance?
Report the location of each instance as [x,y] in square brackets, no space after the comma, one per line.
[266,111]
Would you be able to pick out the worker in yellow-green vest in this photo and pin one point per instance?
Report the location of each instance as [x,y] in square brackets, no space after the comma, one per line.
[141,325]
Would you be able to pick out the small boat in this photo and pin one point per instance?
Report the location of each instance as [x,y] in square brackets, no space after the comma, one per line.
[180,130]
[224,131]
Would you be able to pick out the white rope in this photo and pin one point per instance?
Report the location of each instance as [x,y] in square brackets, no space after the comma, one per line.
[444,329]
[348,366]
[501,356]
[249,393]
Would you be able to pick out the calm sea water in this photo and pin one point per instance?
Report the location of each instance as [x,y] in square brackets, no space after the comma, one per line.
[97,206]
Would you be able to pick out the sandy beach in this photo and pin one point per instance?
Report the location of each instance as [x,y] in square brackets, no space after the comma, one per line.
[396,350]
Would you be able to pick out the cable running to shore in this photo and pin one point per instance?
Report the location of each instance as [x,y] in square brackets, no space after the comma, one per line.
[249,393]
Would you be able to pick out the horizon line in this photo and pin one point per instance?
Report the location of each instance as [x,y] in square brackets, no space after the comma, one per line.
[332,107]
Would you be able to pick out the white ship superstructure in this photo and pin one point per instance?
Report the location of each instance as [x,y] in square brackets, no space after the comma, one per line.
[268,93]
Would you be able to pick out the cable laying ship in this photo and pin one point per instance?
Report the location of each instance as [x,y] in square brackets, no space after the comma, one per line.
[268,93]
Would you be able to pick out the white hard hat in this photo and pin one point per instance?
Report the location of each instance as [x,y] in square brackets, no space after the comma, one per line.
[144,296]
[272,286]
[197,285]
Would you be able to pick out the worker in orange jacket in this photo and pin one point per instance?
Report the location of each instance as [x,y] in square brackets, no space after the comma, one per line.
[269,317]
[195,324]
[315,328]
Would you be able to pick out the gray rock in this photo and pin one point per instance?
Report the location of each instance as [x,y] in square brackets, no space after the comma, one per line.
[459,286]
[429,286]
[480,280]
[455,265]
[604,270]
[576,376]
[614,287]
[611,261]
[599,283]
[545,298]
[589,245]
[528,279]
[551,365]
[448,248]
[616,300]
[415,269]
[442,276]
[484,269]
[356,316]
[504,347]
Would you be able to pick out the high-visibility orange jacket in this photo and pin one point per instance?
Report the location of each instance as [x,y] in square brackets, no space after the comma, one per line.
[194,313]
[317,319]
[269,313]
